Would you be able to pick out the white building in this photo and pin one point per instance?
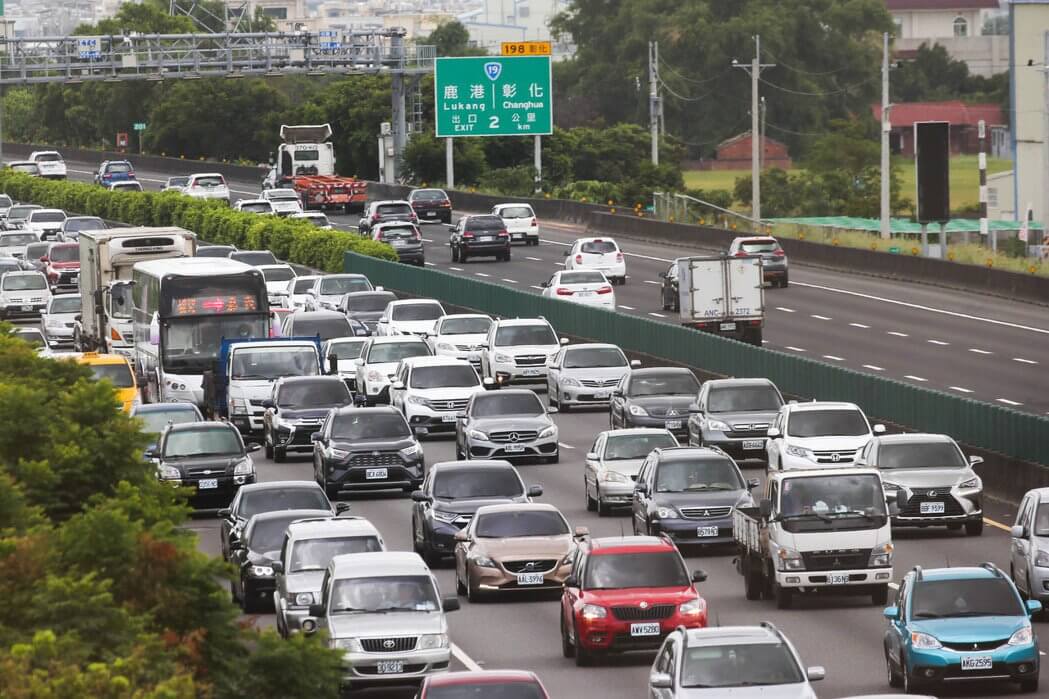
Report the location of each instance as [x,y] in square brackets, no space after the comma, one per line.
[957,25]
[497,21]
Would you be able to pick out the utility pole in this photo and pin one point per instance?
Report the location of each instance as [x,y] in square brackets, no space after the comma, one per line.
[886,129]
[755,140]
[655,108]
[764,115]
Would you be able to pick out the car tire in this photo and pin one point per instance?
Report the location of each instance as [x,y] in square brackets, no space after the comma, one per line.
[460,589]
[455,254]
[785,282]
[974,528]
[784,596]
[1029,686]
[463,257]
[247,601]
[473,595]
[603,510]
[280,455]
[567,649]
[880,596]
[910,683]
[332,491]
[752,584]
[893,677]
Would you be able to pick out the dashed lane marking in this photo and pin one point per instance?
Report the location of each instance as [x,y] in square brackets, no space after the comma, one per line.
[959,389]
[976,350]
[795,349]
[834,358]
[784,309]
[1024,361]
[941,343]
[534,259]
[657,315]
[649,281]
[1006,401]
[508,281]
[860,325]
[457,269]
[627,308]
[465,659]
[874,367]
[818,317]
[897,334]
[915,378]
[482,274]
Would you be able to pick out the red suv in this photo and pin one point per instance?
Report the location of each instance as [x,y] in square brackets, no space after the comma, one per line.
[508,684]
[627,593]
[62,266]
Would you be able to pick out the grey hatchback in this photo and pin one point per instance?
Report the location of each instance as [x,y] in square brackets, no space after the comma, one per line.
[774,262]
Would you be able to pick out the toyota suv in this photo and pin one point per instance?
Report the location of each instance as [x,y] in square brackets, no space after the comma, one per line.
[207,185]
[734,415]
[50,163]
[46,223]
[818,435]
[384,612]
[627,593]
[517,350]
[208,457]
[385,211]
[378,363]
[432,392]
[23,295]
[508,424]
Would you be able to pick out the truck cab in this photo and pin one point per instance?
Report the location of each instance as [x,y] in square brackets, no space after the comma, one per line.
[306,150]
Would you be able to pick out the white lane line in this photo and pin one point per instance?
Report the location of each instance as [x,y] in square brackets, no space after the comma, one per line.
[764,342]
[627,308]
[834,358]
[1024,361]
[426,240]
[465,659]
[657,315]
[508,281]
[897,334]
[979,351]
[565,446]
[785,310]
[795,349]
[457,269]
[873,367]
[649,281]
[959,389]
[482,274]
[1006,401]
[860,325]
[941,343]
[915,378]
[534,259]
[536,287]
[430,264]
[560,264]
[817,317]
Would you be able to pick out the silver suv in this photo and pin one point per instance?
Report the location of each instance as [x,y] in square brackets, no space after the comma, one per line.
[730,661]
[931,481]
[384,612]
[506,424]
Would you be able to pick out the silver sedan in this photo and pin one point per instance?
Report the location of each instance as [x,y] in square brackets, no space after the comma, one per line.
[583,375]
[614,461]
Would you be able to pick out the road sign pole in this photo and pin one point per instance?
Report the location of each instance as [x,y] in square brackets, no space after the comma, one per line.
[538,164]
[449,164]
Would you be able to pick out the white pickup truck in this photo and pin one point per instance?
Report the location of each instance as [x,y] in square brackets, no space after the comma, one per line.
[824,531]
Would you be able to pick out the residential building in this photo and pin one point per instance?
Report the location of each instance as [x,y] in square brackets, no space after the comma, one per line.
[496,21]
[963,118]
[957,25]
[735,154]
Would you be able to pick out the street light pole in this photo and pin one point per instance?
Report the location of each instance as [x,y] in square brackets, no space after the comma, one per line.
[886,129]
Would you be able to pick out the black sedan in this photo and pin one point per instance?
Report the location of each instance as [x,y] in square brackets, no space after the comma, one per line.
[210,458]
[655,397]
[480,236]
[668,291]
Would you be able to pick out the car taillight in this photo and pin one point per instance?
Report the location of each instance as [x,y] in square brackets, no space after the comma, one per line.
[106,176]
[131,174]
[534,221]
[605,290]
[619,257]
[446,203]
[561,291]
[113,334]
[579,259]
[741,254]
[779,252]
[504,234]
[468,234]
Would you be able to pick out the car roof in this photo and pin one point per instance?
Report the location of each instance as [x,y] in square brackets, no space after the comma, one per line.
[425,189]
[48,211]
[389,201]
[509,392]
[506,204]
[285,380]
[164,407]
[1041,493]
[331,527]
[342,275]
[278,265]
[597,239]
[724,635]
[521,321]
[683,452]
[630,544]
[821,405]
[517,507]
[731,383]
[315,315]
[302,513]
[378,563]
[394,339]
[24,273]
[451,679]
[254,201]
[634,431]
[470,464]
[208,425]
[275,485]
[405,302]
[438,360]
[821,472]
[960,573]
[914,438]
[346,340]
[652,370]
[206,174]
[454,316]
[374,410]
[592,345]
[93,358]
[370,292]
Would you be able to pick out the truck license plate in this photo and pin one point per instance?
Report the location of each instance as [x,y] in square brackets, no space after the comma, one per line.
[702,532]
[931,508]
[530,579]
[976,662]
[673,424]
[838,578]
[514,448]
[728,327]
[208,483]
[753,444]
[531,372]
[644,629]
[376,474]
[390,667]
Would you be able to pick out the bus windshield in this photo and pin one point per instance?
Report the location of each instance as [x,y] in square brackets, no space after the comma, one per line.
[191,345]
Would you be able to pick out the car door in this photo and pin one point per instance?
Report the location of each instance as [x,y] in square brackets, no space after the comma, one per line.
[281,578]
[553,373]
[695,433]
[462,552]
[772,445]
[666,663]
[896,633]
[571,593]
[640,499]
[382,327]
[397,394]
[421,510]
[592,466]
[1020,546]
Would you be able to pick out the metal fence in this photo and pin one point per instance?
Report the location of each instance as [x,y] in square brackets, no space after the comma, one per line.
[1009,432]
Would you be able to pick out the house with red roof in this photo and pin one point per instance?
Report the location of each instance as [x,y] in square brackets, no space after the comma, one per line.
[963,118]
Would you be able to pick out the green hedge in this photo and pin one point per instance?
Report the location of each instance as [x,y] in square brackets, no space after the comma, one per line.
[293,241]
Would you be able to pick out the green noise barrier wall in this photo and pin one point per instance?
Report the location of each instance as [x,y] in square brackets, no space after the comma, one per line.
[1009,432]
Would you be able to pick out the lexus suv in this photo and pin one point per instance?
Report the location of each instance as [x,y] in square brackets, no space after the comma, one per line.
[654,397]
[627,593]
[585,375]
[818,435]
[296,409]
[613,462]
[210,458]
[930,480]
[957,624]
[734,415]
[507,424]
[517,350]
[366,449]
[432,392]
[451,494]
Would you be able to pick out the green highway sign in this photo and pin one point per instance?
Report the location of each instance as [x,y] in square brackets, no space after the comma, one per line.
[493,96]
[139,126]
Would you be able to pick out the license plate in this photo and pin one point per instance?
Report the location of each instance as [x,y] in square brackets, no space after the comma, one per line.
[673,424]
[586,293]
[838,578]
[390,667]
[976,662]
[448,418]
[644,629]
[486,238]
[518,236]
[375,474]
[514,448]
[27,308]
[726,327]
[931,508]
[702,532]
[600,395]
[753,444]
[208,483]
[530,579]
[431,214]
[532,372]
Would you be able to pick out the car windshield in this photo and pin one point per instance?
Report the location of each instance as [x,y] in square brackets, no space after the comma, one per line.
[741,665]
[215,181]
[322,393]
[327,327]
[254,257]
[811,502]
[5,201]
[1041,520]
[676,384]
[496,404]
[477,482]
[387,593]
[316,554]
[14,239]
[368,303]
[371,426]
[177,181]
[33,251]
[636,446]
[538,334]
[268,534]
[24,282]
[515,523]
[598,247]
[20,212]
[75,225]
[697,475]
[516,212]
[416,311]
[386,352]
[257,207]
[465,326]
[31,168]
[64,253]
[938,599]
[393,209]
[592,358]
[582,278]
[278,274]
[347,350]
[47,217]
[66,303]
[210,442]
[282,195]
[486,689]
[127,185]
[920,455]
[303,284]
[429,195]
[444,377]
[337,285]
[252,502]
[613,571]
[33,337]
[759,245]
[268,363]
[733,399]
[154,421]
[827,423]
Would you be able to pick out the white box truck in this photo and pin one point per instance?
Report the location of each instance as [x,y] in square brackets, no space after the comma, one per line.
[106,259]
[723,295]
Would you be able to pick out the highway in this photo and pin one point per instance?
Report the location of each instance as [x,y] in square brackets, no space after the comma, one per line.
[970,344]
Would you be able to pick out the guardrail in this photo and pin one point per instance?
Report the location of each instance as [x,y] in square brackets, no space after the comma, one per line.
[1019,436]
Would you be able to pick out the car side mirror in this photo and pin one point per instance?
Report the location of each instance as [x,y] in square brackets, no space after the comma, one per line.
[278,567]
[891,612]
[252,447]
[879,429]
[662,275]
[341,507]
[333,364]
[773,433]
[151,453]
[765,508]
[974,460]
[641,488]
[545,285]
[420,496]
[591,456]
[635,363]
[269,404]
[450,604]
[1033,606]
[565,253]
[316,437]
[581,533]
[617,393]
[699,576]
[571,581]
[694,408]
[461,535]
[815,673]
[1018,532]
[317,610]
[753,483]
[223,513]
[535,491]
[564,341]
[660,680]
[397,385]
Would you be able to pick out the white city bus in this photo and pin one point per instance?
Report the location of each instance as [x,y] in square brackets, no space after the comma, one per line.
[183,309]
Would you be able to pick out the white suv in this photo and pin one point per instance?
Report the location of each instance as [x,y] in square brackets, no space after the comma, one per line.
[50,163]
[378,363]
[410,317]
[601,254]
[518,349]
[207,185]
[461,336]
[819,434]
[432,392]
[520,222]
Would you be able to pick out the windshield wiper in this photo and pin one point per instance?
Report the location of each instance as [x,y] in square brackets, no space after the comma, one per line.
[926,615]
[805,515]
[853,513]
[208,453]
[709,486]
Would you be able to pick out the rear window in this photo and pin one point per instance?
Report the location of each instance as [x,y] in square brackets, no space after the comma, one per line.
[118,167]
[49,158]
[599,247]
[583,278]
[416,311]
[278,274]
[327,328]
[210,181]
[178,181]
[128,185]
[517,212]
[282,194]
[429,195]
[759,245]
[254,257]
[47,217]
[400,233]
[393,209]
[257,207]
[31,168]
[484,223]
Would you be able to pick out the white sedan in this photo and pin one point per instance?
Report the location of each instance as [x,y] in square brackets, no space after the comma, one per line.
[598,254]
[588,288]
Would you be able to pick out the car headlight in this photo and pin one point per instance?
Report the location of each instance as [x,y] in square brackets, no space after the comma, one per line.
[446,346]
[411,451]
[569,381]
[304,599]
[924,641]
[503,358]
[339,453]
[718,426]
[550,431]
[415,400]
[351,644]
[374,375]
[1041,558]
[666,512]
[238,406]
[638,410]
[694,607]
[594,611]
[432,641]
[479,559]
[1022,636]
[614,477]
[789,559]
[54,324]
[478,434]
[552,356]
[973,482]
[244,468]
[800,452]
[881,556]
[261,571]
[168,473]
[442,516]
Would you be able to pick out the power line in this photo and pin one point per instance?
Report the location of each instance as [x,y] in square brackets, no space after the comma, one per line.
[692,80]
[828,93]
[801,70]
[795,133]
[683,98]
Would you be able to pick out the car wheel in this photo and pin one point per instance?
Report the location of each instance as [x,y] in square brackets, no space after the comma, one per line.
[280,455]
[895,681]
[331,490]
[460,589]
[785,282]
[586,496]
[910,683]
[473,594]
[1029,685]
[603,510]
[567,649]
[974,528]
[880,596]
[463,256]
[248,603]
[784,596]
[751,584]
[455,254]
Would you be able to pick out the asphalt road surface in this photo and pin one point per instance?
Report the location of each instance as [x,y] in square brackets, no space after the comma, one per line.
[970,344]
